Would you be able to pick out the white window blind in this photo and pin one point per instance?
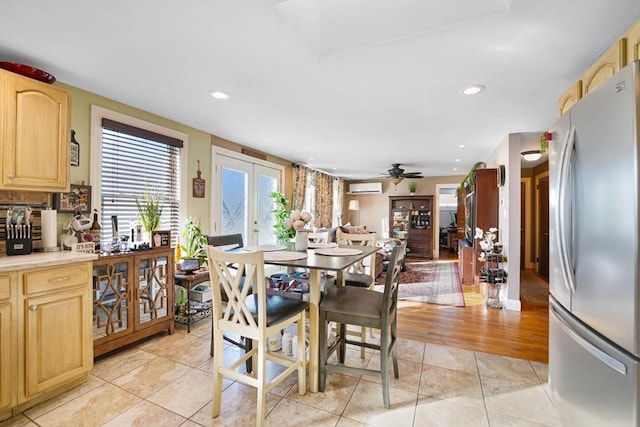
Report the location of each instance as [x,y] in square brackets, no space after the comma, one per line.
[134,160]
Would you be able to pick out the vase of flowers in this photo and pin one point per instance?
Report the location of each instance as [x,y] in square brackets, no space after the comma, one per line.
[297,221]
[492,276]
[287,223]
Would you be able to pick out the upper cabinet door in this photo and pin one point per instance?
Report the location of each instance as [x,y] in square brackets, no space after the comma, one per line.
[633,42]
[35,140]
[570,97]
[606,66]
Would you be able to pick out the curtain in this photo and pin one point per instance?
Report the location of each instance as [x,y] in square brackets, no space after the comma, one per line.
[324,200]
[299,187]
[338,208]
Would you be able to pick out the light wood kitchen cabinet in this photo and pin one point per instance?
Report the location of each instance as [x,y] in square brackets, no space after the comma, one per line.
[570,97]
[56,308]
[633,42]
[45,330]
[132,298]
[8,330]
[34,135]
[606,66]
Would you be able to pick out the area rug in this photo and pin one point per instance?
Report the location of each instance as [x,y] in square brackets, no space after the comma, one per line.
[433,282]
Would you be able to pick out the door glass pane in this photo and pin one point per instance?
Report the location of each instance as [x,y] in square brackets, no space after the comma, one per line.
[110,302]
[234,202]
[153,288]
[264,214]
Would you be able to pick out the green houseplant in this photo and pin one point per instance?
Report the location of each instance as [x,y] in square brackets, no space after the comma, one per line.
[412,187]
[195,242]
[283,233]
[150,209]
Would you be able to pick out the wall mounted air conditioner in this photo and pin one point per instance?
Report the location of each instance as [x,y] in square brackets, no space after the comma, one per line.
[365,188]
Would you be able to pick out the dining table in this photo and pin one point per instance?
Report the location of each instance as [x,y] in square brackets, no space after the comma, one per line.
[336,259]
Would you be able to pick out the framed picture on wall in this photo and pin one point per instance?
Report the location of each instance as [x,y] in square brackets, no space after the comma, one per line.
[77,200]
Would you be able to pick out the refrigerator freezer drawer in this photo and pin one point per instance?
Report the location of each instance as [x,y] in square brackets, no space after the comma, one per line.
[591,382]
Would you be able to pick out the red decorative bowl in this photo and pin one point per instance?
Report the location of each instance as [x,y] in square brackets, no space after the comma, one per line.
[28,71]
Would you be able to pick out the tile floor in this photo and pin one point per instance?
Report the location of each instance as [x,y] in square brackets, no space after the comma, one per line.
[167,381]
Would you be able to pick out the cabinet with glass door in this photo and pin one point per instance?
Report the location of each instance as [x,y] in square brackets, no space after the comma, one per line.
[410,220]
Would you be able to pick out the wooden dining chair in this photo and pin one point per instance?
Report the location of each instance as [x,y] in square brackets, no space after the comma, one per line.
[230,242]
[357,274]
[318,237]
[350,305]
[256,316]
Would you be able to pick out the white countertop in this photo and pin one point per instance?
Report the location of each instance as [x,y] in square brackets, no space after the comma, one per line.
[43,259]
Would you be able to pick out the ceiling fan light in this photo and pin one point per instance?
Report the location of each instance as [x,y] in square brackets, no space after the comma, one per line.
[396,180]
[531,155]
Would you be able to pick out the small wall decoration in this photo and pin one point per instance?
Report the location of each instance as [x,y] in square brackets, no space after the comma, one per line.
[75,150]
[198,184]
[77,200]
[160,238]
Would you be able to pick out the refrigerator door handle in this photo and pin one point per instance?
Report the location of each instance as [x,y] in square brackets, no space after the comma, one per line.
[596,352]
[563,217]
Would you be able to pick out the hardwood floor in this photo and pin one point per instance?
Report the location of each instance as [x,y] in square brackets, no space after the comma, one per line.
[523,334]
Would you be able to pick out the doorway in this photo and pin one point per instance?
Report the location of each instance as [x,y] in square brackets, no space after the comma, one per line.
[242,201]
[445,227]
[542,189]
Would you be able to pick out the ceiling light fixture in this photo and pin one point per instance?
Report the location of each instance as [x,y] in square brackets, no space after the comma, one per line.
[531,155]
[219,94]
[473,90]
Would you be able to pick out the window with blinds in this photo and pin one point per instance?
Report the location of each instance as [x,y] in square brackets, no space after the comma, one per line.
[134,160]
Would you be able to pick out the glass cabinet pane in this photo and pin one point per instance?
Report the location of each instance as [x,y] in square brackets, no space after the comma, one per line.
[152,292]
[110,299]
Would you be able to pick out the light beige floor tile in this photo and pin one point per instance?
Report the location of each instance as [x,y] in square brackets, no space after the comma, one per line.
[146,414]
[238,407]
[186,395]
[520,399]
[93,408]
[338,390]
[111,367]
[446,413]
[190,423]
[408,372]
[494,366]
[348,422]
[197,352]
[500,420]
[446,384]
[18,421]
[294,414]
[151,377]
[352,358]
[367,406]
[161,344]
[541,370]
[450,358]
[48,405]
[410,350]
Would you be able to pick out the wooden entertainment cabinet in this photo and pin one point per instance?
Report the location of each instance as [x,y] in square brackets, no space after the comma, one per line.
[132,297]
[410,219]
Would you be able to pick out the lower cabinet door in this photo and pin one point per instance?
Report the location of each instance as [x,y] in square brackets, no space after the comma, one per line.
[7,349]
[58,340]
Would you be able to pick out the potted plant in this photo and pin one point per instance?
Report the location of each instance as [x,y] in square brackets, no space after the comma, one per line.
[412,187]
[195,242]
[283,233]
[150,210]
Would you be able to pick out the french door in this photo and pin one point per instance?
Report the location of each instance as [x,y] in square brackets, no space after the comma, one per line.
[242,203]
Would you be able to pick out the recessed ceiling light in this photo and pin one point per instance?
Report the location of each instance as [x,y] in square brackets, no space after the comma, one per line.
[473,90]
[461,146]
[457,160]
[455,169]
[219,94]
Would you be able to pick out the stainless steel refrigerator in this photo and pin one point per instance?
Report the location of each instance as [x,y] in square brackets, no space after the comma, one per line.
[594,277]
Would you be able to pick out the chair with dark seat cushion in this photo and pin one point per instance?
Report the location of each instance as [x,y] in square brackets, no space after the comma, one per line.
[257,317]
[231,242]
[351,305]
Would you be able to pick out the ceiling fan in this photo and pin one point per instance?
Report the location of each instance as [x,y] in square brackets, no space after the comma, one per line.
[397,174]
